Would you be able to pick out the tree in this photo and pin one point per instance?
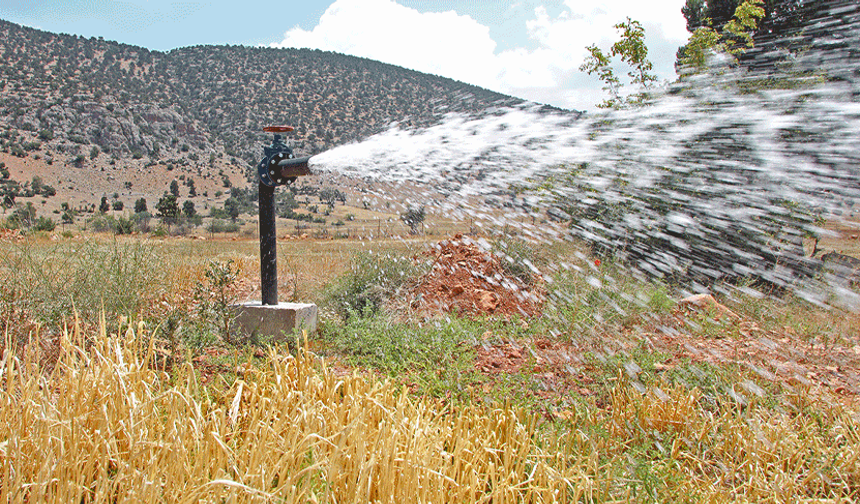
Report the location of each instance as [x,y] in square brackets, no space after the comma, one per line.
[701,13]
[174,188]
[8,200]
[24,216]
[733,39]
[684,224]
[68,217]
[633,52]
[140,206]
[168,209]
[104,206]
[118,205]
[192,190]
[188,208]
[231,207]
[36,184]
[413,218]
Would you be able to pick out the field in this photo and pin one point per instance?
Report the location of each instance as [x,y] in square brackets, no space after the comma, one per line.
[122,382]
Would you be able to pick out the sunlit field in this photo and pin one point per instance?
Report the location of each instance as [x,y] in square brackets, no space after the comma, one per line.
[117,384]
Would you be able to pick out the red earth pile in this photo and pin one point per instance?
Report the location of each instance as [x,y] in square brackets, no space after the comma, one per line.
[467,279]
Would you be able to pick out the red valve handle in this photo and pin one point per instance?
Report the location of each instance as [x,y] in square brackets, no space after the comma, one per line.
[278,129]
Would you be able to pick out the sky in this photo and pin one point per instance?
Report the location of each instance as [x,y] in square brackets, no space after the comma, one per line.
[531,49]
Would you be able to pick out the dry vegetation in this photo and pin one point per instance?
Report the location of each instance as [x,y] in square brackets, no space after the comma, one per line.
[595,402]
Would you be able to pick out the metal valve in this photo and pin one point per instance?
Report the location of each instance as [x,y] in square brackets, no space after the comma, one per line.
[280,166]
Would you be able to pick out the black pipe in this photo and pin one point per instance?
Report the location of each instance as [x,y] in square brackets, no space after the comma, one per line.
[268,246]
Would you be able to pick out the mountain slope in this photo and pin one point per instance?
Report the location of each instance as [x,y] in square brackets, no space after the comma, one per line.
[74,93]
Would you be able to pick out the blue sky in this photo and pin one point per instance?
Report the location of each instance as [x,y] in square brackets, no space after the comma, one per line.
[531,49]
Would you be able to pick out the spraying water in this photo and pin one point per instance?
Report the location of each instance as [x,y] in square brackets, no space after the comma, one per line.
[718,178]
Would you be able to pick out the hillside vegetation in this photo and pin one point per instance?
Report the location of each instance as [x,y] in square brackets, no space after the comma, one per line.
[70,93]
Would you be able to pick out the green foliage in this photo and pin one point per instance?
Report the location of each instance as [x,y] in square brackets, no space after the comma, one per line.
[68,216]
[215,297]
[221,226]
[435,356]
[633,52]
[188,208]
[329,196]
[110,224]
[217,108]
[231,208]
[605,296]
[84,278]
[736,37]
[372,279]
[23,217]
[168,209]
[140,205]
[44,224]
[517,258]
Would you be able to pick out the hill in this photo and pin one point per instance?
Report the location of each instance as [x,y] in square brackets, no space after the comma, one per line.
[91,117]
[126,99]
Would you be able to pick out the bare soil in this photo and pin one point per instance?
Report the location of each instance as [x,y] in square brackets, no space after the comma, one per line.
[471,281]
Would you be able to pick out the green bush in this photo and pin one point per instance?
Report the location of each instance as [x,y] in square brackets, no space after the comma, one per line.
[221,226]
[44,224]
[372,279]
[517,258]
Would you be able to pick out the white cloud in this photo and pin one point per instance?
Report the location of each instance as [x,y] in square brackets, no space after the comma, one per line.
[457,46]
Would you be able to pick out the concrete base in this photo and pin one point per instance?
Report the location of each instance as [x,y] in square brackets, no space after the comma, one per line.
[275,321]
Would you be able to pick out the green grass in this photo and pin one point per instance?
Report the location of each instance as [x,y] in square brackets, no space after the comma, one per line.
[604,297]
[435,356]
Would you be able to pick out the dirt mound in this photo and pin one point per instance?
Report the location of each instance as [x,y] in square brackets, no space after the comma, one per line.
[467,279]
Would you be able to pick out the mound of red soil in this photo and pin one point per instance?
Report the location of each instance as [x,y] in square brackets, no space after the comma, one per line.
[469,280]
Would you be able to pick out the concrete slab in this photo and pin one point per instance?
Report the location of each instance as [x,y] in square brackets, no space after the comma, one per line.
[275,321]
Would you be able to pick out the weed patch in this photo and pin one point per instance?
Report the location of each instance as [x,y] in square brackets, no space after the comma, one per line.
[436,356]
[371,280]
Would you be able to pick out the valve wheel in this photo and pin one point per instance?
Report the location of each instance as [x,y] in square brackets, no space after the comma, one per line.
[278,129]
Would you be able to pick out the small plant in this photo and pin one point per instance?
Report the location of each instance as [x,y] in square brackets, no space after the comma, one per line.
[414,218]
[216,295]
[517,258]
[221,226]
[372,279]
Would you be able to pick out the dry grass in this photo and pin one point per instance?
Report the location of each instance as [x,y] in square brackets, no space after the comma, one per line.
[106,425]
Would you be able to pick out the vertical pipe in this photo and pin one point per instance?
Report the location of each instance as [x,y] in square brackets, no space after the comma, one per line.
[268,246]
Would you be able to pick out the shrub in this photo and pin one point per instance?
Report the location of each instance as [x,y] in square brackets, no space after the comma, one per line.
[372,279]
[397,348]
[44,224]
[221,226]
